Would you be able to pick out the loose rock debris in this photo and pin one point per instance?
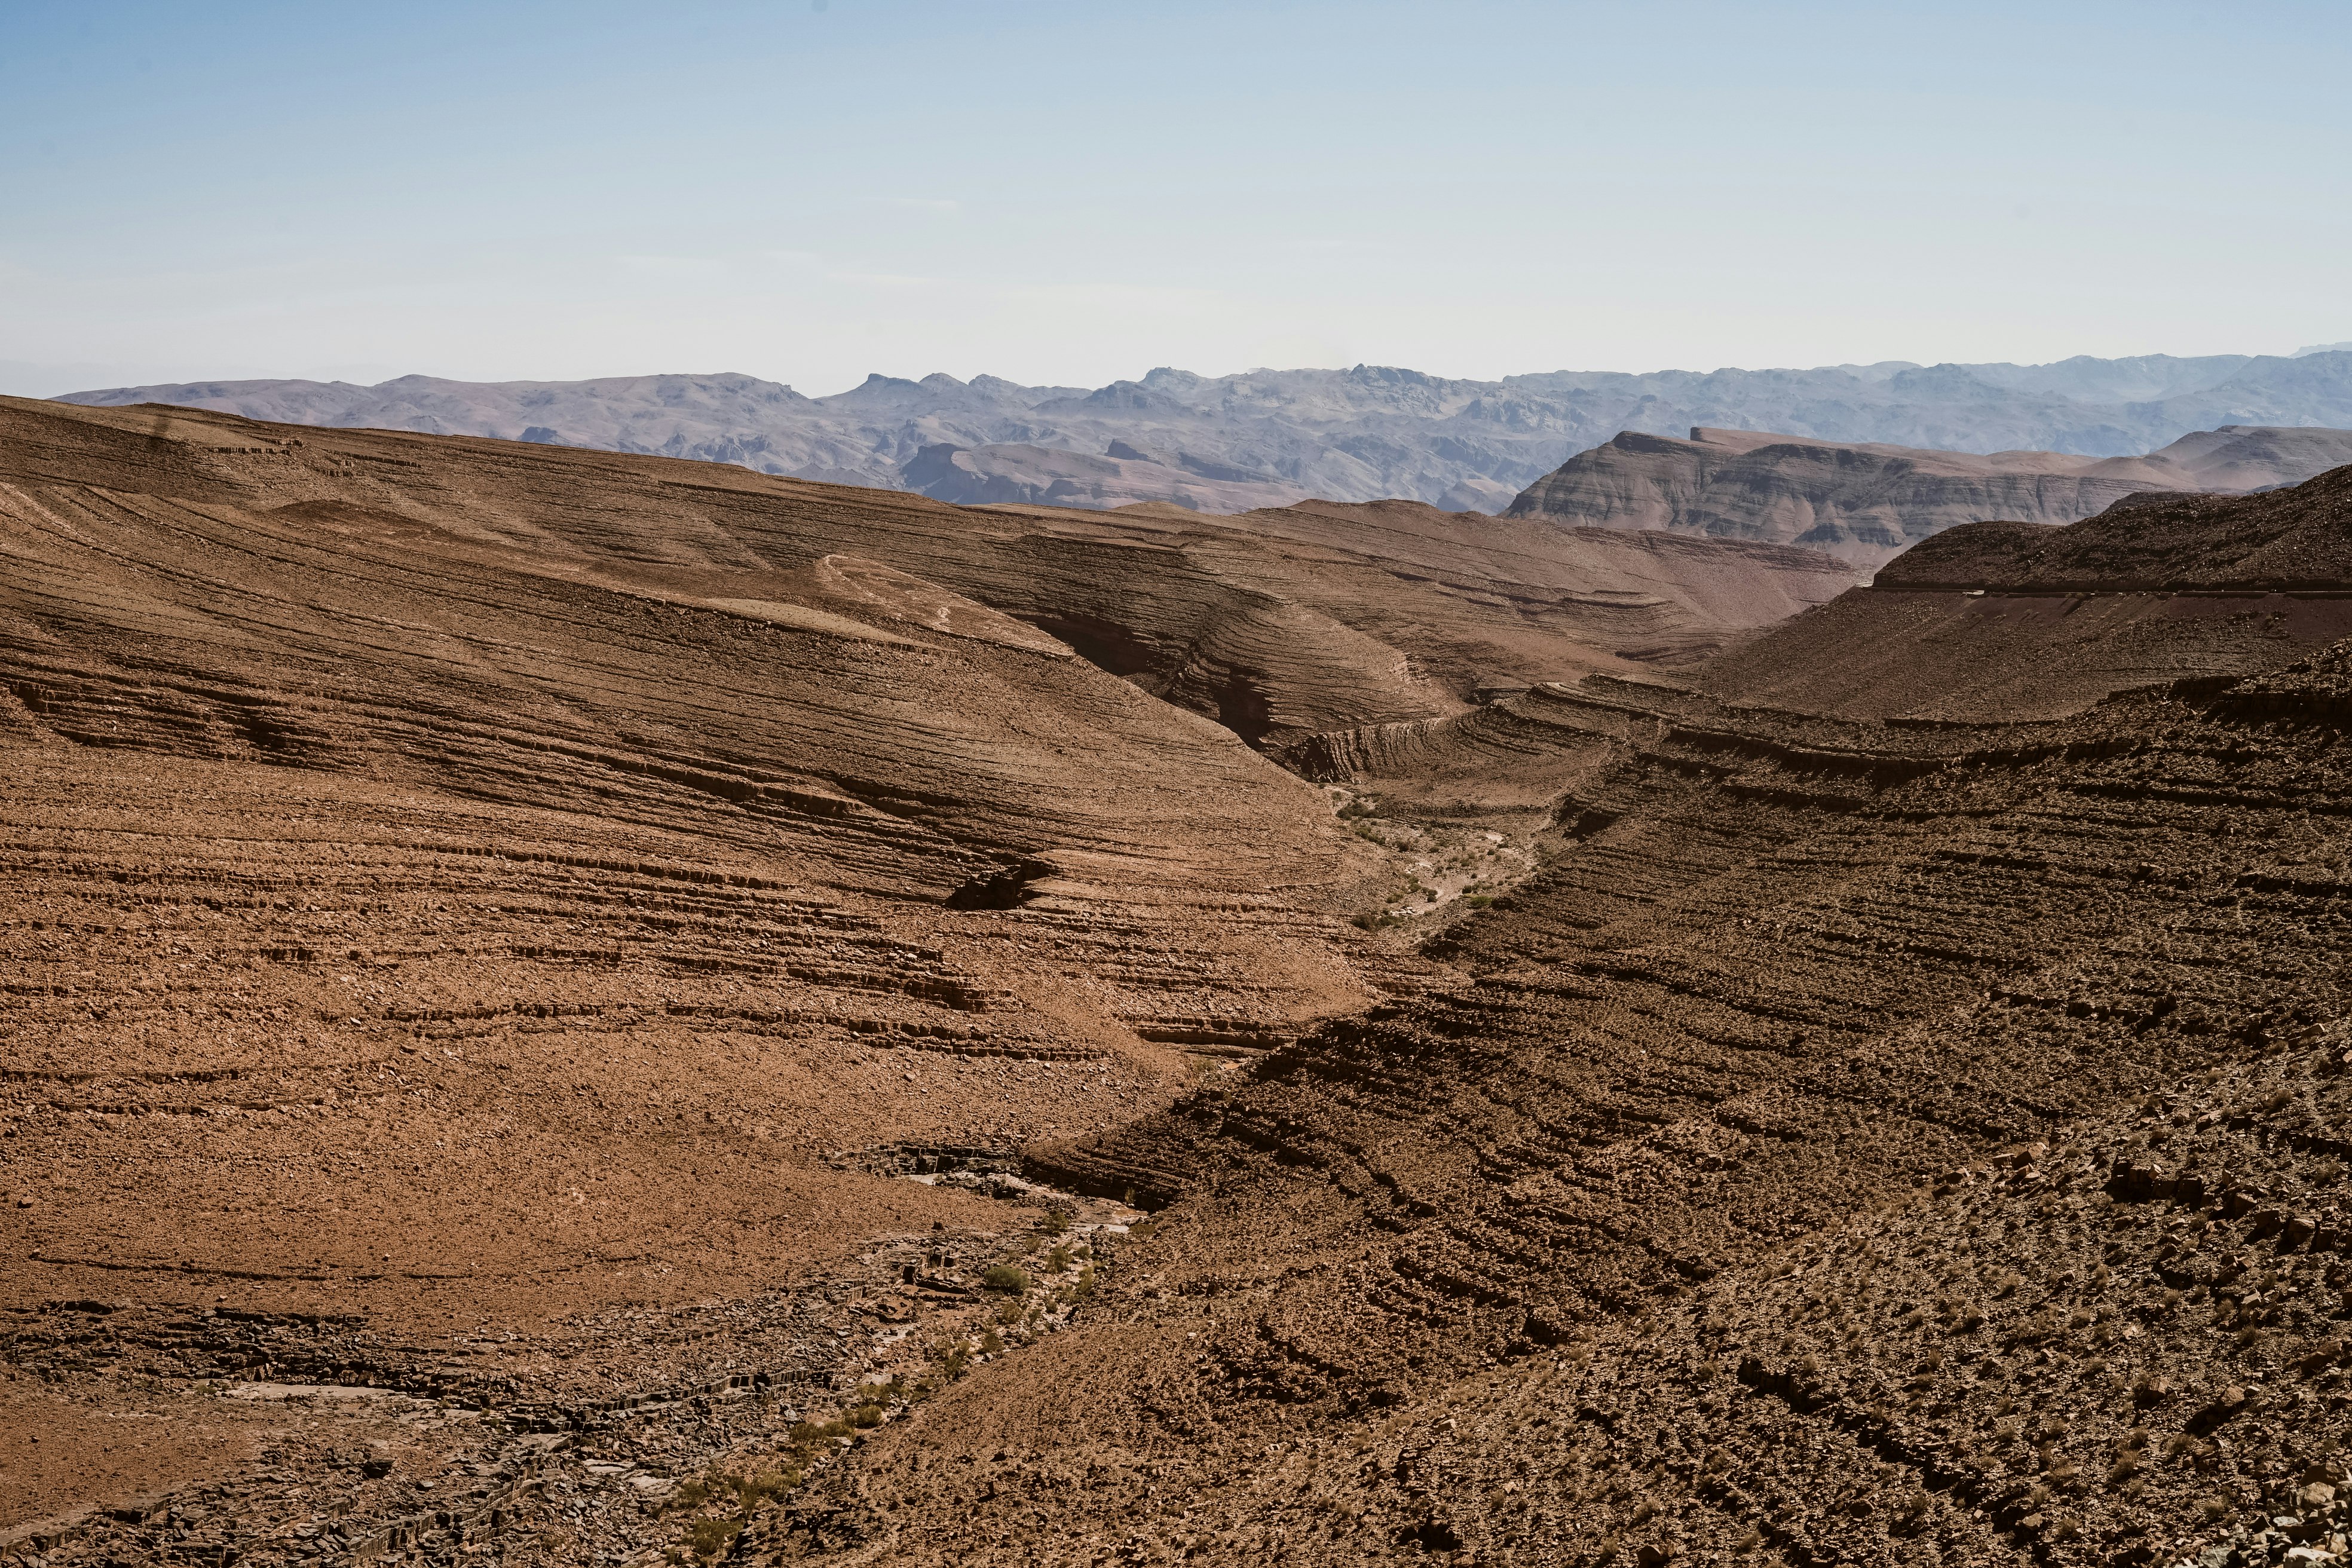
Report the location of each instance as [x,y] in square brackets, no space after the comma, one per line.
[546,1027]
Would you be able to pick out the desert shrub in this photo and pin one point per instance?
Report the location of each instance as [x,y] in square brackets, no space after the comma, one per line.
[1005,1276]
[866,1417]
[1478,900]
[1055,1223]
[991,1343]
[711,1536]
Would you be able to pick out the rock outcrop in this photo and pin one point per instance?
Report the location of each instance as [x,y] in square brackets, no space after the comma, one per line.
[1863,1141]
[1868,503]
[585,1007]
[1996,621]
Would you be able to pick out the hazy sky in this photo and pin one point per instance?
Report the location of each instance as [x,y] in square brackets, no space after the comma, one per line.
[1073,192]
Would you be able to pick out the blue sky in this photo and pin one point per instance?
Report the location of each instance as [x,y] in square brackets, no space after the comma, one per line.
[1074,192]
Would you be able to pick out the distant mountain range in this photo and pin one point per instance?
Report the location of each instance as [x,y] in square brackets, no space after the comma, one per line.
[1265,438]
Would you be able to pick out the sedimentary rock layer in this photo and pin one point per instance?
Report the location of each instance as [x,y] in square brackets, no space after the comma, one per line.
[1995,621]
[1806,1176]
[1866,503]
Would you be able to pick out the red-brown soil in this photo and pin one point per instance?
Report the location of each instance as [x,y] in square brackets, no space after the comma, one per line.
[535,989]
[57,1452]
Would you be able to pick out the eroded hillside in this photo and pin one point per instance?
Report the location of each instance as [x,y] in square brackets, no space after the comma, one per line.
[1806,1176]
[574,934]
[591,1007]
[1868,502]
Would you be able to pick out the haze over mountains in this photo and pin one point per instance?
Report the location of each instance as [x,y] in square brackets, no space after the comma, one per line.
[1267,438]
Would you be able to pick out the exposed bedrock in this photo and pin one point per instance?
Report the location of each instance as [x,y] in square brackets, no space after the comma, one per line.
[1999,621]
[1282,624]
[1866,503]
[1805,1175]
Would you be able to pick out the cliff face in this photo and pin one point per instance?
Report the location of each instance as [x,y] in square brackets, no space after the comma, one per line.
[2003,621]
[1866,503]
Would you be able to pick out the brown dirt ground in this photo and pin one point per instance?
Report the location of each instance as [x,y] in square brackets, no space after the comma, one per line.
[542,986]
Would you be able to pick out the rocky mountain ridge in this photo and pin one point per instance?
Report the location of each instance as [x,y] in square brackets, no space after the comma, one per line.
[1361,434]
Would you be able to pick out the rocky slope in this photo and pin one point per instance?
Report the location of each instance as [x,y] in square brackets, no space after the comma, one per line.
[511,941]
[1997,621]
[1862,1142]
[584,1007]
[472,895]
[1362,434]
[1868,503]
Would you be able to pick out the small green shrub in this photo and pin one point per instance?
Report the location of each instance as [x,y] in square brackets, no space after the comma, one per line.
[711,1536]
[1005,1276]
[866,1417]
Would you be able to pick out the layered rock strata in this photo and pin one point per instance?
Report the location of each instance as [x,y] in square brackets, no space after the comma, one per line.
[1804,1177]
[1867,503]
